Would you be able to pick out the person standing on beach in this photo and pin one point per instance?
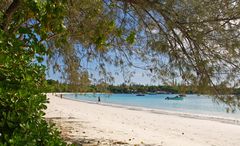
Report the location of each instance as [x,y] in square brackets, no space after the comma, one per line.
[99,100]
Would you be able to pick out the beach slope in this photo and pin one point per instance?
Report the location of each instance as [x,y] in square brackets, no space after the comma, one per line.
[108,125]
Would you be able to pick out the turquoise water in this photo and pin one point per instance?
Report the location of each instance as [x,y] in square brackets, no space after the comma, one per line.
[190,104]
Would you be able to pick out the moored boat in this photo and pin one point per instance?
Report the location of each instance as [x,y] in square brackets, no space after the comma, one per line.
[174,98]
[140,94]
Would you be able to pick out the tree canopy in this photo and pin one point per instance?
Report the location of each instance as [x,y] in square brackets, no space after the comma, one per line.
[195,42]
[24,27]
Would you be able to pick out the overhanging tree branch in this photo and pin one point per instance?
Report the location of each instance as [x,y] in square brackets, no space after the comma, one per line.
[9,13]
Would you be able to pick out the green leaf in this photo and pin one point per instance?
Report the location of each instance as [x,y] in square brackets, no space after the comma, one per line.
[131,38]
[39,59]
[24,30]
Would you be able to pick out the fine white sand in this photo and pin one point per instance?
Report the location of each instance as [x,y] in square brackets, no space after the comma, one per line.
[105,125]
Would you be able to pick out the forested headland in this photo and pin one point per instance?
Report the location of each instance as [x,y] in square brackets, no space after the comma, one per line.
[56,86]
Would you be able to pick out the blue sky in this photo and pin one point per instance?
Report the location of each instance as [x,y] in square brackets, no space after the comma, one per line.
[138,78]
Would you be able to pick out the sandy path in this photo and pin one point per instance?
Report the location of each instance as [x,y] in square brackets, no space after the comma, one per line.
[108,124]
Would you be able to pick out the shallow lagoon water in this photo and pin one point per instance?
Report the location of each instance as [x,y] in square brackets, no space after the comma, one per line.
[190,104]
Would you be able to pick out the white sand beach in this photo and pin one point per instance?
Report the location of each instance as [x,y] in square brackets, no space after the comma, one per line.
[109,125]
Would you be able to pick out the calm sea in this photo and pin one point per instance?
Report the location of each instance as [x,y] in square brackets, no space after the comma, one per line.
[190,104]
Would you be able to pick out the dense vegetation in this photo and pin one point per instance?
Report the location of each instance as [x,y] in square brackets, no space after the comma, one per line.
[23,24]
[56,86]
[170,39]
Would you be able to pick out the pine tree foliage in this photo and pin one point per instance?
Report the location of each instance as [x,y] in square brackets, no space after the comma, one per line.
[194,42]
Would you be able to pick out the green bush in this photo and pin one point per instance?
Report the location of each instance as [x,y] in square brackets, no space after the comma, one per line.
[22,75]
[22,121]
[22,102]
